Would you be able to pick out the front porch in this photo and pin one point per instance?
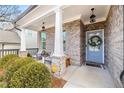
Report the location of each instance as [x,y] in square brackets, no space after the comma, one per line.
[60,19]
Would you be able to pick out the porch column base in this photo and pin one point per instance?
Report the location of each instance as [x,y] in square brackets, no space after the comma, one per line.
[58,66]
[23,53]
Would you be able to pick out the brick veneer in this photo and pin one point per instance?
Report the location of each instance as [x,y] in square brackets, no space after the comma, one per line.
[73,41]
[114,43]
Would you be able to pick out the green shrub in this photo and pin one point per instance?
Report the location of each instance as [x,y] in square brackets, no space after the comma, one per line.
[3,85]
[14,66]
[7,59]
[34,75]
[1,78]
[5,66]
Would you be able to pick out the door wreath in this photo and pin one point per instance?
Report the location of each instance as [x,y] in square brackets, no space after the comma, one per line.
[95,41]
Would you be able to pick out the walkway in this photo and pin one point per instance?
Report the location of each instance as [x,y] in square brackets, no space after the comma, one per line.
[87,77]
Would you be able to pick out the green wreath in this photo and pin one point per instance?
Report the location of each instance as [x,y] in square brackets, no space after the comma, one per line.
[95,41]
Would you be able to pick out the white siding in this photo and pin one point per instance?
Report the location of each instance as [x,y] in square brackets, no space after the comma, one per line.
[31,40]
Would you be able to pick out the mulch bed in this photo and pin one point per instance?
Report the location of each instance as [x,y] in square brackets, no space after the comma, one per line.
[1,72]
[58,82]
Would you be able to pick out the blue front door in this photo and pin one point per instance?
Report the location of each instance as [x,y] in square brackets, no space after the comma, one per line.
[95,53]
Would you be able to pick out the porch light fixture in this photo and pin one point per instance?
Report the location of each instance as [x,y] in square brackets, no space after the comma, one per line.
[43,27]
[93,16]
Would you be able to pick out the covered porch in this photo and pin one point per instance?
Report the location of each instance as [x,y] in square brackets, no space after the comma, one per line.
[73,21]
[64,26]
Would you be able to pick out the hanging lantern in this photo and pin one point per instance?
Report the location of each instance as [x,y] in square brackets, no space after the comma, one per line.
[43,27]
[93,16]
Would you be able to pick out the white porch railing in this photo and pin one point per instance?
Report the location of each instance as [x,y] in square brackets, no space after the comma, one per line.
[4,52]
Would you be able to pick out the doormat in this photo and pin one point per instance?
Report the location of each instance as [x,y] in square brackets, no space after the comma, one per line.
[94,65]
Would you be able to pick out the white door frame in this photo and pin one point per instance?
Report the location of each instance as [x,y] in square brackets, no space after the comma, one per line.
[103,42]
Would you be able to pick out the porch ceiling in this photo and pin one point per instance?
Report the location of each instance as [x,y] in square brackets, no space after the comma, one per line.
[70,13]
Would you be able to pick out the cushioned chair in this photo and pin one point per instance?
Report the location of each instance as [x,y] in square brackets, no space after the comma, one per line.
[41,54]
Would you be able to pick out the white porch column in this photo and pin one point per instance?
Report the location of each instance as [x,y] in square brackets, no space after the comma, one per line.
[58,46]
[39,40]
[23,44]
[58,59]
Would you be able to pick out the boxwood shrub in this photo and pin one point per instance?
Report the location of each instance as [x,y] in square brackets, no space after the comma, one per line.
[7,59]
[15,65]
[5,66]
[33,75]
[1,78]
[3,85]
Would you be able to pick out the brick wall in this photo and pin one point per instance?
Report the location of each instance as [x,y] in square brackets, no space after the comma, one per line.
[114,43]
[73,41]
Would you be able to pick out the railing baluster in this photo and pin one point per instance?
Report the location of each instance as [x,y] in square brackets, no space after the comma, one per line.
[5,52]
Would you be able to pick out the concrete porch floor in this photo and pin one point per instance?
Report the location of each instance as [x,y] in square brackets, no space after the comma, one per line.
[87,77]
